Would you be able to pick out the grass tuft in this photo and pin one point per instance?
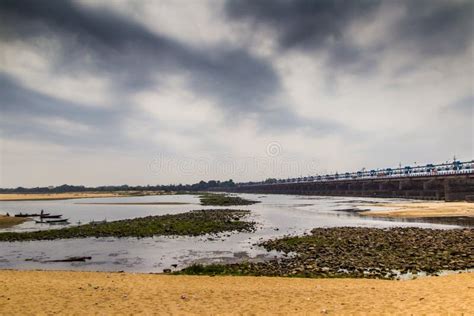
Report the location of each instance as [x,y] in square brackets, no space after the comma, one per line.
[223,200]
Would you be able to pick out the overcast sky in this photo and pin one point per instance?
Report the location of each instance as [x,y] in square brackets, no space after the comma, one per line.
[156,92]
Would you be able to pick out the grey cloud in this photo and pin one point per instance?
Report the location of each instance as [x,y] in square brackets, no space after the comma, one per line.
[104,43]
[301,23]
[308,25]
[427,28]
[22,101]
[435,27]
[285,119]
[118,45]
[20,108]
[463,106]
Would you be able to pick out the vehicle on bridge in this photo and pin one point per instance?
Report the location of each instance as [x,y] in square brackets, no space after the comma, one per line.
[455,167]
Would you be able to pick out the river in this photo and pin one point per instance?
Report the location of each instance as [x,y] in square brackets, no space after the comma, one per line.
[277,215]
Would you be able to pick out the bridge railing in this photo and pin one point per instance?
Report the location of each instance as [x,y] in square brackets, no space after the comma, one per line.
[455,168]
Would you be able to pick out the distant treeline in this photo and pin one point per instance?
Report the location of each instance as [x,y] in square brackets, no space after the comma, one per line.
[200,186]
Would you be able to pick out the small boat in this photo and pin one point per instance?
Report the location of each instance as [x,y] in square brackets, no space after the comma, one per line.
[50,216]
[31,215]
[57,221]
[71,259]
[26,215]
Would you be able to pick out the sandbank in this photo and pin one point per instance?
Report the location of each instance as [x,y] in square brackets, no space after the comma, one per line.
[424,209]
[41,292]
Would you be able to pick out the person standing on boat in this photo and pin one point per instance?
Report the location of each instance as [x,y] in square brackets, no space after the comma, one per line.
[42,212]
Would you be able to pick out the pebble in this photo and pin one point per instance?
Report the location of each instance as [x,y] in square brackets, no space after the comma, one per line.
[365,252]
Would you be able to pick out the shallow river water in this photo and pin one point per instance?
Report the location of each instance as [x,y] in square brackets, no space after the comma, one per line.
[277,215]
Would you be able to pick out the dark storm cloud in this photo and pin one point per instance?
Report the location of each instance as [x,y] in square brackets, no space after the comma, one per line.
[121,46]
[309,25]
[301,23]
[437,27]
[427,28]
[100,42]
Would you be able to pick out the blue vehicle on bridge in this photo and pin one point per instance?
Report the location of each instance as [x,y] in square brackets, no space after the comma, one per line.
[407,170]
[430,167]
[457,165]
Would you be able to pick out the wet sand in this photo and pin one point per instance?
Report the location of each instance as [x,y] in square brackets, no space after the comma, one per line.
[424,209]
[10,221]
[72,195]
[37,292]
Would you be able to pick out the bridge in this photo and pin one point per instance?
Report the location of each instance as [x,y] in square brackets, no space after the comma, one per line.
[449,182]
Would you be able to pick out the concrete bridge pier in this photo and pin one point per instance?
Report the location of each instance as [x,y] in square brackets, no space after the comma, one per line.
[458,189]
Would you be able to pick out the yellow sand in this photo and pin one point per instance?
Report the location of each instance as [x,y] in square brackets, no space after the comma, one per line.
[133,203]
[35,292]
[425,209]
[71,195]
[9,221]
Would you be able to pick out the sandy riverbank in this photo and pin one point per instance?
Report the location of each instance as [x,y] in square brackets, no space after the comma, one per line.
[424,209]
[133,203]
[72,195]
[10,221]
[36,292]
